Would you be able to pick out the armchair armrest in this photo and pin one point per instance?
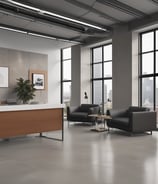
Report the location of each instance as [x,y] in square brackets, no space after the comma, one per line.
[143,121]
[70,110]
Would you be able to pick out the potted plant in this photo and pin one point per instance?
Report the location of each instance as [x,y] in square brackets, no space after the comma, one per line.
[25,90]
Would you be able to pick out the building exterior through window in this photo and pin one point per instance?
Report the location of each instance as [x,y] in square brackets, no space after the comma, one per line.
[102,76]
[66,77]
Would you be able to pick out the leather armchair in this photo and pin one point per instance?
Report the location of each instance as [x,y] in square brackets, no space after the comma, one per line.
[81,113]
[134,119]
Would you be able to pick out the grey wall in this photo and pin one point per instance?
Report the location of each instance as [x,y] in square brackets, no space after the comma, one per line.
[19,64]
[122,67]
[76,75]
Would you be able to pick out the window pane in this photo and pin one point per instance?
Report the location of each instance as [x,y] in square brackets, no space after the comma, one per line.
[67,53]
[147,63]
[67,70]
[108,69]
[156,108]
[97,55]
[147,92]
[97,89]
[107,94]
[147,42]
[66,92]
[107,52]
[97,70]
[156,39]
[156,62]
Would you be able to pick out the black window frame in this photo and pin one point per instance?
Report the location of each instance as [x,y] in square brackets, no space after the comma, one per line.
[62,80]
[103,79]
[154,75]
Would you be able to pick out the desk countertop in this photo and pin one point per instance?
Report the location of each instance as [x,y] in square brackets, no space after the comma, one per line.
[4,108]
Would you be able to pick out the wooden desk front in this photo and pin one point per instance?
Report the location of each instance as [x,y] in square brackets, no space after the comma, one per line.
[15,123]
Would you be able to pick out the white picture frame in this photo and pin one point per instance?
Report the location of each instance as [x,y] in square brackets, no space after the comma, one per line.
[3,77]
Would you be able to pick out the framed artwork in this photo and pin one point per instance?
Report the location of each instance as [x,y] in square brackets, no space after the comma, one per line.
[4,77]
[39,79]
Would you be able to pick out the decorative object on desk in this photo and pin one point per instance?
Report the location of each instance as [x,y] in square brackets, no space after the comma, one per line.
[25,90]
[39,79]
[4,77]
[86,96]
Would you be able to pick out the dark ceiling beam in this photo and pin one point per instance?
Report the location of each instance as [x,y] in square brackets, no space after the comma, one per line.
[155,1]
[72,22]
[123,7]
[144,22]
[40,18]
[93,10]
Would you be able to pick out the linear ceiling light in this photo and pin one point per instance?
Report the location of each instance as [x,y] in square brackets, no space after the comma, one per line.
[56,15]
[122,7]
[38,35]
[42,36]
[14,30]
[23,5]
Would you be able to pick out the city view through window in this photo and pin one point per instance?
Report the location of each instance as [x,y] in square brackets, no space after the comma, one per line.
[102,76]
[149,69]
[66,76]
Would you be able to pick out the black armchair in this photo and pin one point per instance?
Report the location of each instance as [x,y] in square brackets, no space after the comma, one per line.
[134,119]
[81,113]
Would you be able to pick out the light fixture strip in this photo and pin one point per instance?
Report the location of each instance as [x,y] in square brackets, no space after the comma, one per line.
[38,35]
[14,30]
[42,36]
[23,5]
[56,15]
[73,20]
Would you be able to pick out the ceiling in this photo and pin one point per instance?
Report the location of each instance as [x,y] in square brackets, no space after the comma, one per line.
[98,16]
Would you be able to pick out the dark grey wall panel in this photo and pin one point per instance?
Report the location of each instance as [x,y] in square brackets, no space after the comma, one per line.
[122,67]
[76,75]
[19,64]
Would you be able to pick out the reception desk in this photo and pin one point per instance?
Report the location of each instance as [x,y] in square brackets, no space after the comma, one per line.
[16,120]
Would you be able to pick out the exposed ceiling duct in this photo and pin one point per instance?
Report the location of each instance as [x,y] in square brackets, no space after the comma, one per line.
[91,9]
[122,7]
[155,1]
[44,13]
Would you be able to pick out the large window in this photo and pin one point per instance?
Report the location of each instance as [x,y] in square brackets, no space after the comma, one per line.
[66,76]
[149,69]
[102,75]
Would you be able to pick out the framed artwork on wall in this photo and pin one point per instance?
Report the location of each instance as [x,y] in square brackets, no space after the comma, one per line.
[4,77]
[39,79]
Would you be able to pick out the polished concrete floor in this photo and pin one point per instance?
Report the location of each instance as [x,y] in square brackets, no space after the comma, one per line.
[85,157]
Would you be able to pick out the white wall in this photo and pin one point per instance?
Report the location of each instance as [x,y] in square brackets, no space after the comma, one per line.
[52,48]
[85,74]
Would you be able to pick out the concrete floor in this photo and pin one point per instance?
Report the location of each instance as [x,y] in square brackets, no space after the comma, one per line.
[84,157]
